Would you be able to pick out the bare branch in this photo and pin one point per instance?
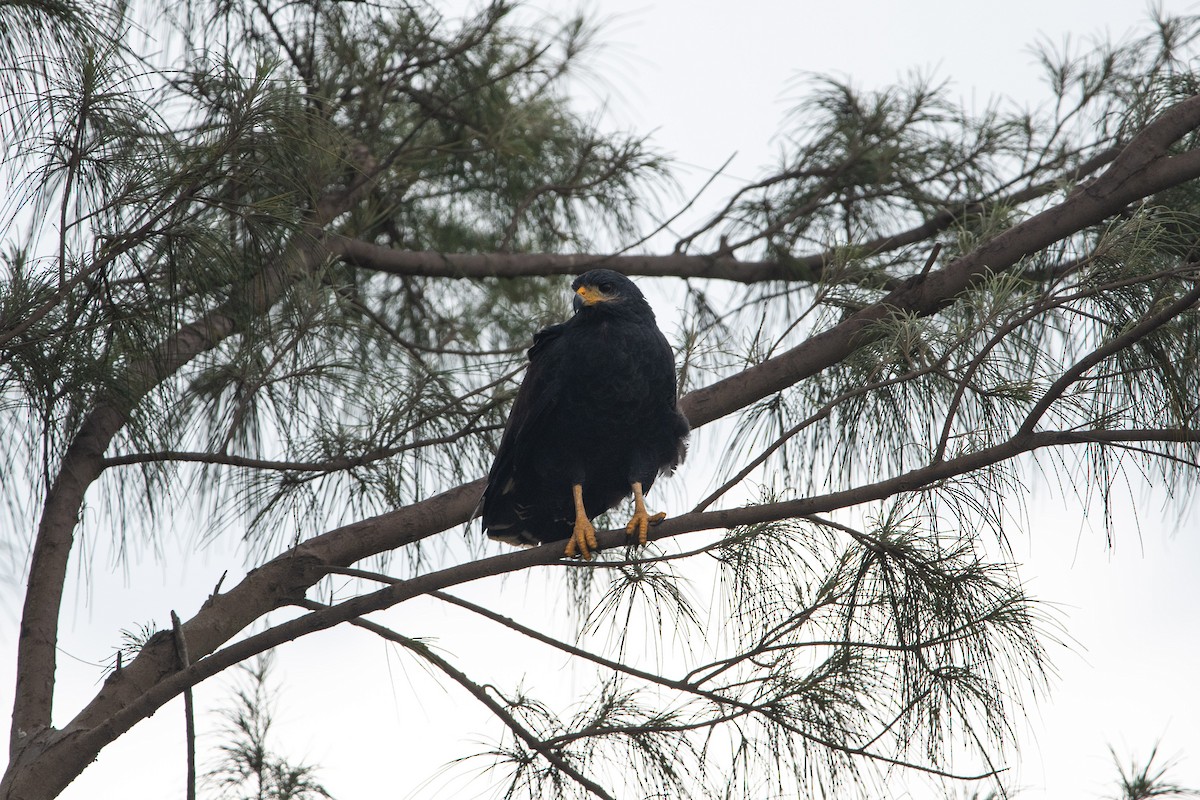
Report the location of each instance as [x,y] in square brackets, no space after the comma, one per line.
[1139,331]
[334,464]
[189,712]
[547,750]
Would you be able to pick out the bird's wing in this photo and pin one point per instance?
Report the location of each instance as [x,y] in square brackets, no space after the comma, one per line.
[539,393]
[540,388]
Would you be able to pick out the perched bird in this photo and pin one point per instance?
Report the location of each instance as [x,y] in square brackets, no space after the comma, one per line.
[594,420]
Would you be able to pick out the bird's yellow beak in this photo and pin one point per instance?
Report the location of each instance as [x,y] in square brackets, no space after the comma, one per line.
[590,295]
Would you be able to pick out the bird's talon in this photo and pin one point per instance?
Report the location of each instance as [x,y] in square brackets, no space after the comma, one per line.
[582,541]
[641,522]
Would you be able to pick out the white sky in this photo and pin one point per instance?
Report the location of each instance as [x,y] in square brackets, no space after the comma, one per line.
[710,79]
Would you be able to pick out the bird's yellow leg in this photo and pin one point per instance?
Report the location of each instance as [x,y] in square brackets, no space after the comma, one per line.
[642,520]
[583,538]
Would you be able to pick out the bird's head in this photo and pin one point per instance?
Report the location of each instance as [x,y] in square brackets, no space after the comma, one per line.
[605,288]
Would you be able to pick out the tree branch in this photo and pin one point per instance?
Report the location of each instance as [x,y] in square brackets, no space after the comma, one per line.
[719,266]
[332,464]
[94,729]
[1111,192]
[547,750]
[189,713]
[1144,327]
[83,462]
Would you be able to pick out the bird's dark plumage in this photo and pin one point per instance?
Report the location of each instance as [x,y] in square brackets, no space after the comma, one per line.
[596,410]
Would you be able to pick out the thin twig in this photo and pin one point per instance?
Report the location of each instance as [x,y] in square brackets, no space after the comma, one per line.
[189,711]
[480,693]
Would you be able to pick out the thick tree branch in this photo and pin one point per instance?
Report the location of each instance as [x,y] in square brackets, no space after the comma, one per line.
[84,461]
[513,265]
[719,266]
[1128,180]
[81,466]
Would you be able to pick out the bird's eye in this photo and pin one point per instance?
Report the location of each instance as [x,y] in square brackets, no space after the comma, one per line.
[606,287]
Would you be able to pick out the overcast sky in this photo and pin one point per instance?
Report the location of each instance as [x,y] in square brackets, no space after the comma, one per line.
[711,79]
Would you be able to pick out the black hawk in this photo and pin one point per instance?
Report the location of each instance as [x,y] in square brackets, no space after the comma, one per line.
[595,419]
